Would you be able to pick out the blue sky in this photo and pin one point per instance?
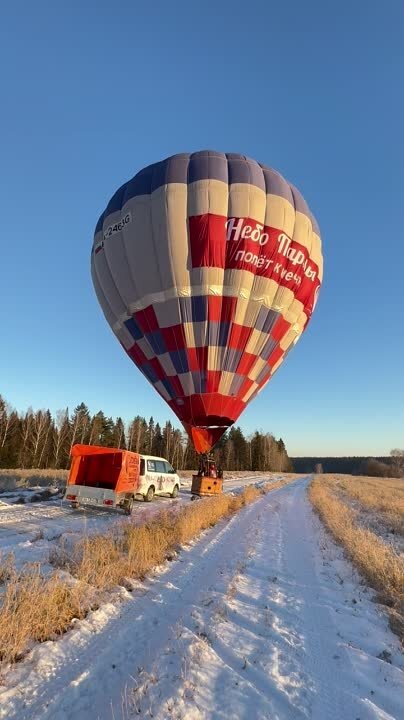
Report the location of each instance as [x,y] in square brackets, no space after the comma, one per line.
[92,92]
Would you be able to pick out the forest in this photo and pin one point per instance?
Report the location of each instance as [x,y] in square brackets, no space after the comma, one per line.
[387,466]
[37,439]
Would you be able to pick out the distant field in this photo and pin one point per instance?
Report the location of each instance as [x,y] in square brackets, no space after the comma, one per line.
[366,515]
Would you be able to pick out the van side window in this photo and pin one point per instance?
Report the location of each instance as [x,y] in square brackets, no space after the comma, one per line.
[141,466]
[160,466]
[151,466]
[169,469]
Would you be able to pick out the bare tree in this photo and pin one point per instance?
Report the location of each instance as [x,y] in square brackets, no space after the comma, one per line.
[26,426]
[80,425]
[129,435]
[7,420]
[137,432]
[119,434]
[39,435]
[177,453]
[61,443]
[398,461]
[46,442]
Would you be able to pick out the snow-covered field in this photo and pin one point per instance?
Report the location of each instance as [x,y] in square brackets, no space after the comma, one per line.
[259,618]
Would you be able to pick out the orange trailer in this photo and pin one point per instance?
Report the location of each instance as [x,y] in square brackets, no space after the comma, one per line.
[105,477]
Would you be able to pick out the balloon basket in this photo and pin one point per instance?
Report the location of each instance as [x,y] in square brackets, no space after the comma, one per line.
[206,486]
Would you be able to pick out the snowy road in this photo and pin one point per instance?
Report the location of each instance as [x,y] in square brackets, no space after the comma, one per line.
[259,619]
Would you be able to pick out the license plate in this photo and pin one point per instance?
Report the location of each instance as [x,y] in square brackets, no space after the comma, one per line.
[91,501]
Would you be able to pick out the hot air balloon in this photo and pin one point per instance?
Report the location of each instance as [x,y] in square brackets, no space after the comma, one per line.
[207,267]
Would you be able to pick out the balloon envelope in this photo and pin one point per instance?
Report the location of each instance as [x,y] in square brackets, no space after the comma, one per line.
[207,267]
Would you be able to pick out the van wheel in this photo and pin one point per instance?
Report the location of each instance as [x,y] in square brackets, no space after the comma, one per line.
[128,507]
[150,494]
[175,491]
[75,505]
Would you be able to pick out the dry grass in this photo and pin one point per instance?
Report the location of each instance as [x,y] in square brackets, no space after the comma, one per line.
[37,608]
[104,561]
[385,496]
[376,561]
[27,473]
[201,515]
[15,478]
[6,567]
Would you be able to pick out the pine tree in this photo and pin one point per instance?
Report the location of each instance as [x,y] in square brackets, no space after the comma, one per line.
[240,450]
[168,440]
[157,446]
[97,428]
[80,425]
[258,451]
[191,459]
[108,432]
[150,436]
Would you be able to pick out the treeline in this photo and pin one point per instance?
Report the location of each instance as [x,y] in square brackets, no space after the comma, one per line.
[389,466]
[36,439]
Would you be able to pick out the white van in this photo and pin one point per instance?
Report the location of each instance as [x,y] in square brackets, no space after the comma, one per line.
[115,478]
[157,477]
